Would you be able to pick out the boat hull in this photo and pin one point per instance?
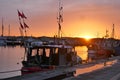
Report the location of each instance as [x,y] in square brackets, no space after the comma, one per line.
[28,70]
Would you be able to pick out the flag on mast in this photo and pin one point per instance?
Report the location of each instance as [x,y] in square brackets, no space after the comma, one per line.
[25,25]
[19,14]
[21,26]
[22,23]
[23,16]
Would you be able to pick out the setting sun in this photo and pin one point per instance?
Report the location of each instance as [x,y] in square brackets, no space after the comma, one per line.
[87,37]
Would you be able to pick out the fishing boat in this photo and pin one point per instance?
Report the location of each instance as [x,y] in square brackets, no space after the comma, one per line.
[45,56]
[101,49]
[105,47]
[40,56]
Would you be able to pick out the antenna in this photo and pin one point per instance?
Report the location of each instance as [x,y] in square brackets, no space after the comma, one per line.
[60,19]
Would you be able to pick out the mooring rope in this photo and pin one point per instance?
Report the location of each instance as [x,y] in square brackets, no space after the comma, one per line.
[10,71]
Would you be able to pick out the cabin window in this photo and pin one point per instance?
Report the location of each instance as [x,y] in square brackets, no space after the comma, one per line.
[34,52]
[47,52]
[37,51]
[40,51]
[56,50]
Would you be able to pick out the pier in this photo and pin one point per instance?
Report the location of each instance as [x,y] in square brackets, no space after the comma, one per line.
[110,71]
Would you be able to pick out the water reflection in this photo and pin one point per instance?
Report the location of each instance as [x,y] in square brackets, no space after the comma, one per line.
[82,52]
[10,59]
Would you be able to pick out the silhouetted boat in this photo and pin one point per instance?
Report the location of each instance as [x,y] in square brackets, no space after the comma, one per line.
[43,56]
[96,52]
[104,48]
[3,41]
[12,41]
[40,56]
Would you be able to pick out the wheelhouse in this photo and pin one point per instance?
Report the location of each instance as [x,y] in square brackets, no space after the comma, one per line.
[43,54]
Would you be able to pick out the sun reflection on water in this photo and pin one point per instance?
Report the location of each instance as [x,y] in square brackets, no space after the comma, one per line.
[82,52]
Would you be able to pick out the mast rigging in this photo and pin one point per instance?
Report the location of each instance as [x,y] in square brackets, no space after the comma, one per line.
[60,19]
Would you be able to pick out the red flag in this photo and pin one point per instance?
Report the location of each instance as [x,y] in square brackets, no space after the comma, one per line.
[25,25]
[19,14]
[21,25]
[23,16]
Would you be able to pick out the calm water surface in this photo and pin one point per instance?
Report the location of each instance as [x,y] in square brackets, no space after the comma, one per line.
[11,57]
[82,52]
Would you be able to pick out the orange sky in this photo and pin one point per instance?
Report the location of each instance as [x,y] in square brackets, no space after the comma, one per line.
[81,17]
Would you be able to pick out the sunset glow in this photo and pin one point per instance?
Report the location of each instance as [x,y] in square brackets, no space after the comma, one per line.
[87,37]
[80,17]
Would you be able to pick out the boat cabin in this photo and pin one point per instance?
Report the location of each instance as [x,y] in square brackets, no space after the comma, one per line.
[42,54]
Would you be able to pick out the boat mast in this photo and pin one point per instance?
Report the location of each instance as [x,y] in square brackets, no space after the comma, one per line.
[25,28]
[113,32]
[9,30]
[60,19]
[2,28]
[21,32]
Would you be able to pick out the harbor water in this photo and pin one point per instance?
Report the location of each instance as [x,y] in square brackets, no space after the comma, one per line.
[11,57]
[10,61]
